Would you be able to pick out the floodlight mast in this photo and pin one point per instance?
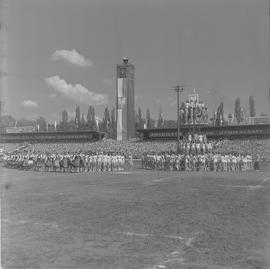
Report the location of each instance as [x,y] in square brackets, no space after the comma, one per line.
[178,89]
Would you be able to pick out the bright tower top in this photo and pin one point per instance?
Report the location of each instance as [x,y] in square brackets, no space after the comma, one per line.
[125,60]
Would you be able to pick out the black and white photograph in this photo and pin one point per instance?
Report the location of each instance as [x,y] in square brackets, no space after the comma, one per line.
[135,134]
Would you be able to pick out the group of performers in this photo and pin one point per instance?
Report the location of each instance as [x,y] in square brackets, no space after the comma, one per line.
[198,162]
[193,111]
[197,154]
[67,162]
[196,144]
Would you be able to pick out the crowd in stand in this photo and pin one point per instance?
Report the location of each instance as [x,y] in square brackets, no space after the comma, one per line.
[138,148]
[254,147]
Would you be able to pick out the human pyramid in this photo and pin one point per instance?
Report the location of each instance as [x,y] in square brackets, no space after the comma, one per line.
[66,162]
[196,144]
[197,154]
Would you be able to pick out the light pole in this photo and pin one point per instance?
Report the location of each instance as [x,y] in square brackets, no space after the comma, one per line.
[178,89]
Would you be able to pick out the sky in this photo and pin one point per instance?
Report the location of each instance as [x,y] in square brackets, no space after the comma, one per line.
[57,54]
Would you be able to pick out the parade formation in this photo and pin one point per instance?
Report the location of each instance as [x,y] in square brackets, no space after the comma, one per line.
[68,162]
[196,154]
[201,162]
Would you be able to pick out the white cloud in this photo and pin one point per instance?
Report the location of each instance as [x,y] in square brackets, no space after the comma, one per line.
[29,103]
[53,95]
[71,56]
[76,92]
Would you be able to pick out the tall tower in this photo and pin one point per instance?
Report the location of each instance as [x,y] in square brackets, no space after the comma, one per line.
[125,101]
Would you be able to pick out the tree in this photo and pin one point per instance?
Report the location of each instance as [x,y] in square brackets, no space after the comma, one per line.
[7,121]
[140,119]
[106,121]
[72,125]
[237,110]
[77,117]
[230,117]
[214,118]
[113,124]
[160,121]
[243,114]
[149,122]
[64,123]
[148,118]
[136,123]
[220,114]
[83,122]
[89,117]
[64,117]
[252,110]
[42,124]
[93,123]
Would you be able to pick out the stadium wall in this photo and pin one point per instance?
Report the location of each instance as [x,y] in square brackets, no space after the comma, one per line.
[212,132]
[51,137]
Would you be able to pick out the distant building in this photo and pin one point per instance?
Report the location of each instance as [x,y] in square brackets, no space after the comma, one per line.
[125,100]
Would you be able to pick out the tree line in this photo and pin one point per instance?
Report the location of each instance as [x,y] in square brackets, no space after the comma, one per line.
[107,124]
[89,121]
[239,113]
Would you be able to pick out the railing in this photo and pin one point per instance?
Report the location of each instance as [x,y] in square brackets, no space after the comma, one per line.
[233,122]
[258,120]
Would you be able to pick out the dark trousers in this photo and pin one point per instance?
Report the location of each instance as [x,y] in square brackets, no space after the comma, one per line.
[256,165]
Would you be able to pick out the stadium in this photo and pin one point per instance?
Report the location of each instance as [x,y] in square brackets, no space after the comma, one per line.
[134,216]
[188,190]
[195,196]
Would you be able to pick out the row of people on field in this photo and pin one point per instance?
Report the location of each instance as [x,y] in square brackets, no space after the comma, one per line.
[200,162]
[196,138]
[196,148]
[138,148]
[68,162]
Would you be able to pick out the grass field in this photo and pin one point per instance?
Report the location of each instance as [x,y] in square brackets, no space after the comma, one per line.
[138,219]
